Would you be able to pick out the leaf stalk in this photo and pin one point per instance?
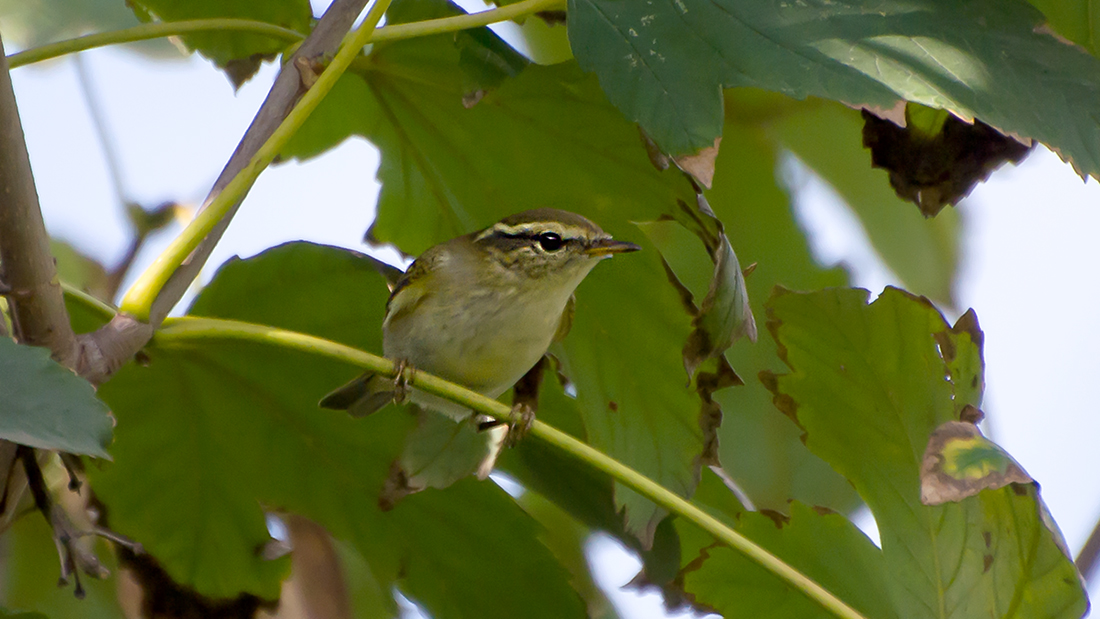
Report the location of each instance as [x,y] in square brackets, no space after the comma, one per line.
[145,32]
[159,30]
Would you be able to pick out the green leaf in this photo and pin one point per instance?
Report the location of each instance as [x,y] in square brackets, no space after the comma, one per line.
[822,545]
[760,449]
[45,21]
[239,54]
[86,313]
[724,314]
[1076,20]
[45,405]
[664,64]
[545,137]
[78,270]
[368,597]
[925,121]
[256,290]
[441,451]
[586,494]
[566,539]
[546,43]
[244,417]
[6,614]
[631,390]
[867,385]
[923,253]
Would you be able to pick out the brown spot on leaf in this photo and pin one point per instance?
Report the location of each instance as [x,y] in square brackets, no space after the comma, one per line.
[779,519]
[612,406]
[946,344]
[710,412]
[552,18]
[473,97]
[1020,489]
[971,414]
[395,488]
[782,401]
[895,114]
[656,157]
[987,562]
[700,165]
[242,69]
[687,299]
[821,510]
[676,587]
[987,537]
[933,171]
[968,323]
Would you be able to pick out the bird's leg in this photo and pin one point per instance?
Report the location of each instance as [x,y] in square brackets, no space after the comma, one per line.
[523,416]
[525,401]
[404,375]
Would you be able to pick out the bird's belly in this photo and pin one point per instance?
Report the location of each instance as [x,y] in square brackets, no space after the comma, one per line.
[485,345]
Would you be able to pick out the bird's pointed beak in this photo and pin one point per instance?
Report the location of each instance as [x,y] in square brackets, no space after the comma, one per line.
[607,247]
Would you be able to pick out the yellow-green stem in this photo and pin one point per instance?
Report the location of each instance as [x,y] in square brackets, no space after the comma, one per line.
[145,32]
[181,329]
[139,298]
[158,30]
[412,30]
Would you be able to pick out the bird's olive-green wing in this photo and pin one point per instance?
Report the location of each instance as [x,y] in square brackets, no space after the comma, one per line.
[362,396]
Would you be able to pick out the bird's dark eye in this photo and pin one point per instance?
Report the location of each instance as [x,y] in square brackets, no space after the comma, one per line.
[550,241]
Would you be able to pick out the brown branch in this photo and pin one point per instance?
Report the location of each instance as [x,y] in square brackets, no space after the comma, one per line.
[27,268]
[1086,558]
[104,351]
[323,41]
[34,296]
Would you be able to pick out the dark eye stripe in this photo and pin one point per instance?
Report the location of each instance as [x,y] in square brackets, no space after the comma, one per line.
[536,237]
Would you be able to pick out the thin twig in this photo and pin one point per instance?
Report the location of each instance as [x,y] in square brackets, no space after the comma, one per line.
[145,32]
[324,39]
[105,350]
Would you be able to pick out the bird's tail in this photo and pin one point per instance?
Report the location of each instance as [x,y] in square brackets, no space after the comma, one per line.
[362,396]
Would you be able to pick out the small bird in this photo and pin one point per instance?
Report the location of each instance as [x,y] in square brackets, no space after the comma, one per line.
[481,309]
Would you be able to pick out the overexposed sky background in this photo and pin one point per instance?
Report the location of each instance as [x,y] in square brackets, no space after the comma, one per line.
[1029,259]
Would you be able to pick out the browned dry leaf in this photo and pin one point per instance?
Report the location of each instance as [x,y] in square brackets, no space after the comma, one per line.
[935,171]
[959,462]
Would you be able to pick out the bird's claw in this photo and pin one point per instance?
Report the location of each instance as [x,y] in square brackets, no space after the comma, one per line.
[522,418]
[404,375]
